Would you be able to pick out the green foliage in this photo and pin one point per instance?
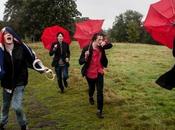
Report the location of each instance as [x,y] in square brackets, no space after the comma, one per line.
[30,17]
[128,27]
[133,31]
[145,37]
[1,24]
[118,32]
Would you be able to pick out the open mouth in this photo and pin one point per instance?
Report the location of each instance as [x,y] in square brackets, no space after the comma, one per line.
[9,38]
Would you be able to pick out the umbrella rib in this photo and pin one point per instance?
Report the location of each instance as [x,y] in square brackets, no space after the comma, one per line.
[163,15]
[159,12]
[160,25]
[173,7]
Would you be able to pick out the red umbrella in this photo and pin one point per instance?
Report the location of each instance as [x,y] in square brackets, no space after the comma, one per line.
[49,35]
[160,22]
[85,31]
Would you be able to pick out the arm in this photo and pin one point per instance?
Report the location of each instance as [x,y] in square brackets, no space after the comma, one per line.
[68,52]
[29,54]
[32,60]
[67,59]
[82,58]
[53,49]
[107,46]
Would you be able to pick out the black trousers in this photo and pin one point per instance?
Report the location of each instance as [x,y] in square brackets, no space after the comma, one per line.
[167,80]
[99,83]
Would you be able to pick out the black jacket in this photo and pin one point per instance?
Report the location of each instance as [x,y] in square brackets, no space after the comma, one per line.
[173,48]
[15,66]
[57,52]
[104,60]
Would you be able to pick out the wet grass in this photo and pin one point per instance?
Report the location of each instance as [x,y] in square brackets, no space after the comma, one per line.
[132,99]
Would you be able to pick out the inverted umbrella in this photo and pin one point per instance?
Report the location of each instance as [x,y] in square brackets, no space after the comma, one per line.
[160,22]
[85,31]
[49,36]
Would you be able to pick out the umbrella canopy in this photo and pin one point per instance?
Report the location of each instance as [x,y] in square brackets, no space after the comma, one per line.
[49,36]
[160,22]
[85,31]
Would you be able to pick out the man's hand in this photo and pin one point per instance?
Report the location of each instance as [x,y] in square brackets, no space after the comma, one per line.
[67,60]
[55,47]
[103,44]
[86,55]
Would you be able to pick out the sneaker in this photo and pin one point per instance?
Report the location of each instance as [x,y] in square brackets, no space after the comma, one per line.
[24,127]
[2,127]
[62,91]
[99,115]
[91,100]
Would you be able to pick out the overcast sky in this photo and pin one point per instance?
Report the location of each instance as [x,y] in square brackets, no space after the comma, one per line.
[104,9]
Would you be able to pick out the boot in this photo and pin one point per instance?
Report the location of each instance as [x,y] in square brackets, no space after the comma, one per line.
[2,127]
[24,127]
[91,100]
[99,114]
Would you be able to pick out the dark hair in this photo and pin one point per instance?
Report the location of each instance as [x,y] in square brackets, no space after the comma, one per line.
[96,35]
[60,33]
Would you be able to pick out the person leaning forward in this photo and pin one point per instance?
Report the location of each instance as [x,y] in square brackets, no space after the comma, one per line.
[94,60]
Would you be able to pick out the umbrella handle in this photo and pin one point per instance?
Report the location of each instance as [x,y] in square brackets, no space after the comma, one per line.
[89,46]
[44,69]
[48,73]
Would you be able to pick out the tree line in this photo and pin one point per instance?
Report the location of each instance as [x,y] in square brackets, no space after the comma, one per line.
[30,17]
[128,27]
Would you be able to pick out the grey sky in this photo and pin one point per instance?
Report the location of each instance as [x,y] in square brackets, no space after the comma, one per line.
[108,9]
[2,2]
[104,9]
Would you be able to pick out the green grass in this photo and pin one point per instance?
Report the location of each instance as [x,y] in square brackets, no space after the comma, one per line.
[132,99]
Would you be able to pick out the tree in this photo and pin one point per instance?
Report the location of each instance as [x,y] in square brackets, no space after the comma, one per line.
[127,27]
[1,24]
[30,17]
[145,37]
[118,31]
[133,32]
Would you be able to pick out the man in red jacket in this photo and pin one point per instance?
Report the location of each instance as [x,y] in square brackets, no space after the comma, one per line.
[94,59]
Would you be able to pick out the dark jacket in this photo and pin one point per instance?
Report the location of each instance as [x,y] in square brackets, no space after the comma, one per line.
[104,60]
[15,66]
[173,48]
[57,53]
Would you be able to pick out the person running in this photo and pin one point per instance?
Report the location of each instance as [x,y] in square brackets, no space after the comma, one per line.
[94,59]
[61,58]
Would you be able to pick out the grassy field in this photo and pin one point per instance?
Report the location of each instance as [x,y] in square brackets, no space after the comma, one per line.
[132,99]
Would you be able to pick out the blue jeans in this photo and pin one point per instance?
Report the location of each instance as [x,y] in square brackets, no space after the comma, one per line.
[16,100]
[62,75]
